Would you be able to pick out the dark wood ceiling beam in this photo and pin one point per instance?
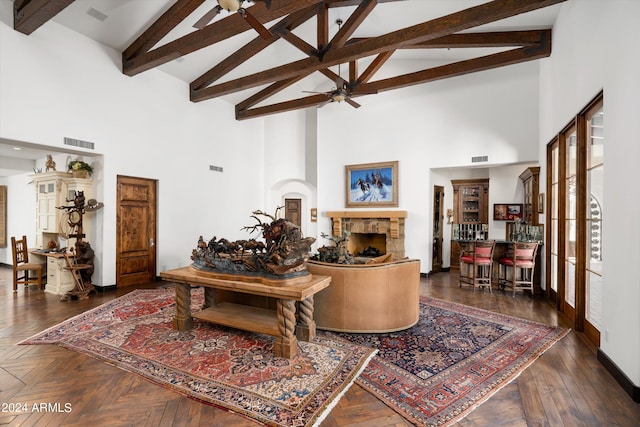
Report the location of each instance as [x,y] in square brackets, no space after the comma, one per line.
[254,46]
[473,40]
[483,63]
[460,68]
[306,102]
[453,23]
[322,30]
[439,27]
[161,27]
[353,71]
[351,25]
[266,93]
[211,34]
[29,15]
[373,68]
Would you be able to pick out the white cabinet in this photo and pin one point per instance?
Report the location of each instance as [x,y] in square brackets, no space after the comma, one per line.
[53,189]
[59,280]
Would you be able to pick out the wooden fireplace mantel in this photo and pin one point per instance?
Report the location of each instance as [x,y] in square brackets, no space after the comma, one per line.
[392,216]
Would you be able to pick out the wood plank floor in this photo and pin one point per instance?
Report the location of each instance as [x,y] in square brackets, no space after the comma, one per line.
[566,386]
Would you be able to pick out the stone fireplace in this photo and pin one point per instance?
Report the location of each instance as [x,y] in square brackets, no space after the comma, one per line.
[382,230]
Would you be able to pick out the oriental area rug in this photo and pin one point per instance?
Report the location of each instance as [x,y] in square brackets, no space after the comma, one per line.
[452,360]
[221,366]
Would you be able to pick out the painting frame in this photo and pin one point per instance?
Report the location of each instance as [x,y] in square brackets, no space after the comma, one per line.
[507,211]
[361,191]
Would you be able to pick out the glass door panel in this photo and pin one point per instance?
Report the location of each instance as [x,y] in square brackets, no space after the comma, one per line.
[570,238]
[595,183]
[554,217]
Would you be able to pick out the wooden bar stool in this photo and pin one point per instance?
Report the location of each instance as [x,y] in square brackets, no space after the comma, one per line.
[516,269]
[476,264]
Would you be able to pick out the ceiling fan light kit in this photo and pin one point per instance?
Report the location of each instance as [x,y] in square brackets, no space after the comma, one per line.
[230,5]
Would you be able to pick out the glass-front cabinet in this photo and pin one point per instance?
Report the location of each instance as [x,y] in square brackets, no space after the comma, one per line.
[530,180]
[470,201]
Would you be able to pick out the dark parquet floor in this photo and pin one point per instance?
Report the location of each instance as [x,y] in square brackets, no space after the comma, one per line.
[566,386]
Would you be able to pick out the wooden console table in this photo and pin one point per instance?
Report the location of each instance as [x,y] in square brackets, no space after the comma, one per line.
[283,323]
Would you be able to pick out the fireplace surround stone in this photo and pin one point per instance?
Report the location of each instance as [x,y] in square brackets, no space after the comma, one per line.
[390,223]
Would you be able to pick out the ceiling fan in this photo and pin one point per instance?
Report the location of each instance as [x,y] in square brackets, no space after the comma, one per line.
[339,94]
[343,90]
[234,6]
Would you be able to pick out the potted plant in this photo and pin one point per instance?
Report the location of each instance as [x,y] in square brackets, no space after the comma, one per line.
[80,169]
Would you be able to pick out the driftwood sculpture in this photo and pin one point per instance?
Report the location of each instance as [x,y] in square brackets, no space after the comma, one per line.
[283,253]
[338,253]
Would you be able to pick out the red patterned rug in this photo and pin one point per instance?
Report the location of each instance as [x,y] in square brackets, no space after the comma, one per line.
[222,366]
[452,360]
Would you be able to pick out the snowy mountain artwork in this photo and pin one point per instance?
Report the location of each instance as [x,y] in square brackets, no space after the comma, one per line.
[373,184]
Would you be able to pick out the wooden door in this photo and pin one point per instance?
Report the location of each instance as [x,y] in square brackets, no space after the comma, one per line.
[293,211]
[135,231]
[438,217]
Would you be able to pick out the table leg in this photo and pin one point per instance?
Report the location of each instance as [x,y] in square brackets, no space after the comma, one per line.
[209,297]
[183,321]
[306,326]
[286,343]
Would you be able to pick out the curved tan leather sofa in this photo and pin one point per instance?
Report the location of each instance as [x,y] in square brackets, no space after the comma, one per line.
[368,297]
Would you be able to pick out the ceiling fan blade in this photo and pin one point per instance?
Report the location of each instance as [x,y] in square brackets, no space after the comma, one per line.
[264,33]
[353,103]
[310,91]
[207,17]
[325,103]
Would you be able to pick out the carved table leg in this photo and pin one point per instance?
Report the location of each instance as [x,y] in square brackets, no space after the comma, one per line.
[306,326]
[286,343]
[183,321]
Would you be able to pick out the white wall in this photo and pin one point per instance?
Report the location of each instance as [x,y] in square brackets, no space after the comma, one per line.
[436,125]
[55,83]
[595,46]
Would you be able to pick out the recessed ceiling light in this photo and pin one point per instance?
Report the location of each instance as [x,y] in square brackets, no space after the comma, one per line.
[17,148]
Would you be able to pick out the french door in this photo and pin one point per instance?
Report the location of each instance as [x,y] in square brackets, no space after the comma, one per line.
[575,160]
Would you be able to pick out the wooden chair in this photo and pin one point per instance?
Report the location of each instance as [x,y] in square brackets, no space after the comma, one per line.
[476,264]
[516,269]
[22,267]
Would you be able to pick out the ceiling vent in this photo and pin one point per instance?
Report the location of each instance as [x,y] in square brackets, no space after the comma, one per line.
[215,168]
[479,159]
[79,143]
[97,14]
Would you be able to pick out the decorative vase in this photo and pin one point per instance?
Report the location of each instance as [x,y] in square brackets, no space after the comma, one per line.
[80,173]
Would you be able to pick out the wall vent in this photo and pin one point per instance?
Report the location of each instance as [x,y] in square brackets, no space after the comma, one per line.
[97,14]
[79,143]
[479,159]
[215,168]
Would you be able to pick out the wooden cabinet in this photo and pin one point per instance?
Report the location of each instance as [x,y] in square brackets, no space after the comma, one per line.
[53,189]
[531,180]
[470,206]
[470,201]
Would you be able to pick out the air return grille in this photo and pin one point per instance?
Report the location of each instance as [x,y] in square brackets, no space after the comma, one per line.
[215,168]
[79,143]
[479,159]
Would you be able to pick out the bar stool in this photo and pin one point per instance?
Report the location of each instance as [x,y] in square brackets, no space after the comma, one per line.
[476,264]
[516,269]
